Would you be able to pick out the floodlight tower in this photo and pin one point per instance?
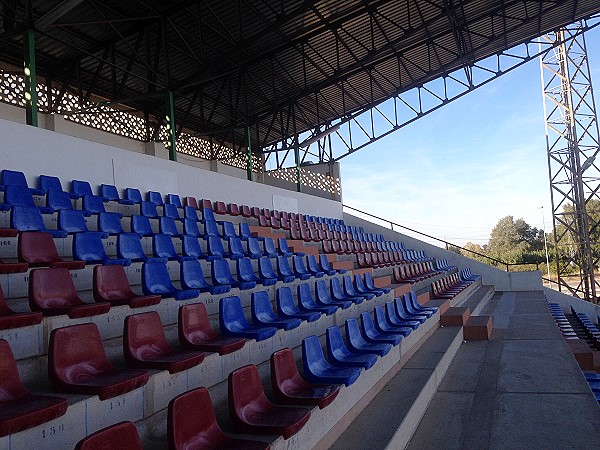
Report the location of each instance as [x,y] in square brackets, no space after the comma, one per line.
[572,143]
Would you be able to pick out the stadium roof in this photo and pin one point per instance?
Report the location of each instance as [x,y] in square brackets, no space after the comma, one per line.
[278,67]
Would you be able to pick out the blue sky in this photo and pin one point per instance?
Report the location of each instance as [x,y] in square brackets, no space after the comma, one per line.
[454,173]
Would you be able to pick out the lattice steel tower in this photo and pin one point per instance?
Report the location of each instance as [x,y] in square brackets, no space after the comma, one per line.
[572,143]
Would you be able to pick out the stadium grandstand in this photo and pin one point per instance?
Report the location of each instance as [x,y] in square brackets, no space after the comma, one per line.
[178,270]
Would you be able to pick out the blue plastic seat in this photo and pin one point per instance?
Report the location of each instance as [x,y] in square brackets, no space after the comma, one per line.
[324,298]
[214,248]
[246,277]
[236,249]
[192,277]
[326,267]
[171,211]
[371,285]
[174,199]
[57,200]
[110,193]
[134,195]
[129,245]
[300,269]
[221,275]
[351,292]
[284,249]
[16,178]
[245,232]
[81,188]
[72,221]
[287,308]
[393,318]
[88,247]
[408,306]
[50,183]
[110,222]
[141,225]
[21,196]
[228,230]
[155,197]
[307,302]
[156,280]
[254,250]
[262,313]
[313,267]
[233,322]
[191,247]
[371,334]
[29,218]
[211,229]
[270,249]
[318,370]
[266,273]
[412,298]
[93,204]
[362,289]
[190,228]
[339,355]
[402,313]
[167,226]
[189,212]
[284,269]
[148,209]
[338,294]
[162,247]
[208,215]
[357,343]
[384,326]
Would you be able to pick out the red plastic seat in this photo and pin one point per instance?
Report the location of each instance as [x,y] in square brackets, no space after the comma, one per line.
[6,267]
[291,389]
[191,201]
[20,409]
[251,412]
[220,208]
[192,424]
[11,319]
[77,364]
[145,345]
[233,209]
[195,331]
[38,249]
[122,435]
[255,211]
[245,211]
[111,285]
[52,292]
[206,203]
[9,232]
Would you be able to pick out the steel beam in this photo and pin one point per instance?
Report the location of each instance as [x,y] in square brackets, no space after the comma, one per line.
[31,106]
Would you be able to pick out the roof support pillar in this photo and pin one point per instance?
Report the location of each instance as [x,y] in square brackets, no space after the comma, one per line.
[248,155]
[31,106]
[297,159]
[171,139]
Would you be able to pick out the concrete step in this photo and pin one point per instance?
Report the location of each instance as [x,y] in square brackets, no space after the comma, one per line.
[393,415]
[347,265]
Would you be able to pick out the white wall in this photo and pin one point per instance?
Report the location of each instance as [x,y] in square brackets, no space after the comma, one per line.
[36,151]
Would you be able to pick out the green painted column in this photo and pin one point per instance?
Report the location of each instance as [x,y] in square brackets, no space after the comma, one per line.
[248,155]
[297,159]
[172,141]
[31,108]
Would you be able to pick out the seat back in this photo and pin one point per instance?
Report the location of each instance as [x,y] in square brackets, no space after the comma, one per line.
[109,192]
[190,213]
[162,246]
[11,387]
[148,209]
[283,370]
[133,194]
[245,271]
[143,334]
[299,266]
[193,323]
[233,209]
[245,389]
[231,314]
[254,250]
[155,197]
[18,195]
[75,351]
[305,297]
[336,289]
[322,292]
[72,221]
[191,275]
[93,204]
[81,188]
[191,201]
[191,246]
[88,247]
[36,247]
[190,227]
[121,435]
[324,262]
[110,222]
[155,278]
[261,307]
[141,225]
[220,208]
[50,183]
[174,199]
[215,247]
[14,178]
[111,283]
[265,269]
[208,214]
[283,246]
[270,249]
[220,272]
[283,266]
[312,264]
[236,249]
[313,358]
[210,228]
[171,211]
[58,200]
[191,419]
[52,288]
[245,232]
[285,301]
[228,229]
[129,245]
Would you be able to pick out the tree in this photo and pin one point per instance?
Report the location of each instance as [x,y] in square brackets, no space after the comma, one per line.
[511,240]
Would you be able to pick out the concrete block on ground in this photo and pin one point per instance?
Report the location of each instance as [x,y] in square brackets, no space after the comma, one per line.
[478,328]
[455,316]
